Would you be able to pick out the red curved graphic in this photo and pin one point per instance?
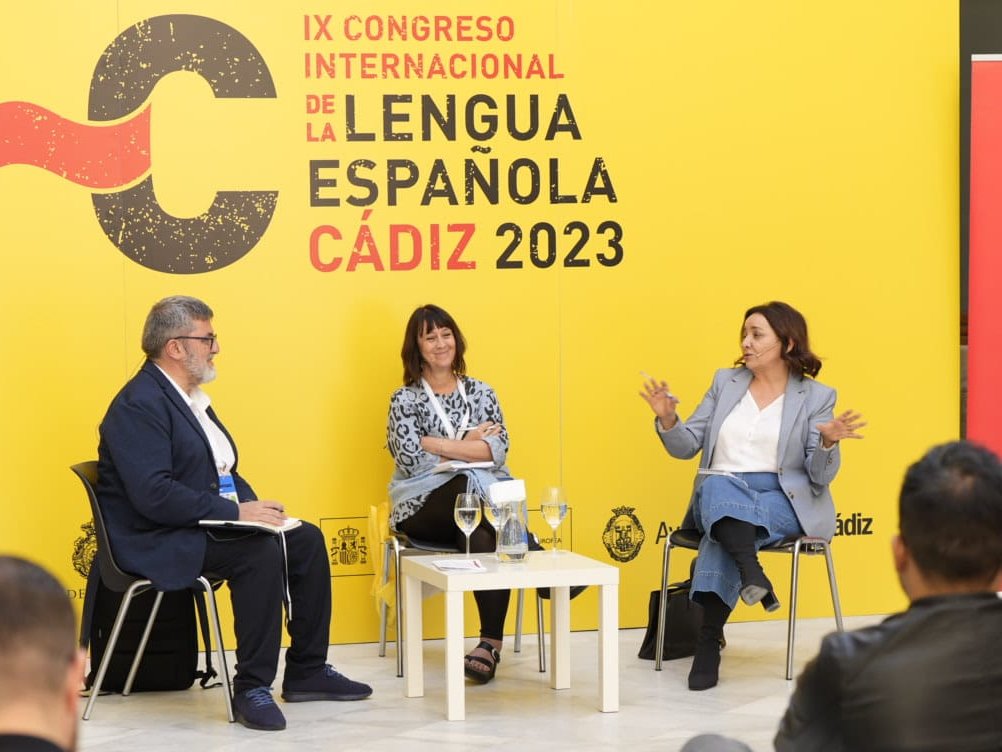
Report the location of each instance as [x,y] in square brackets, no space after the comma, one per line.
[97,156]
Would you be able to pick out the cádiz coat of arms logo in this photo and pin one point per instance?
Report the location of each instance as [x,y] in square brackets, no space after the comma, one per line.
[623,535]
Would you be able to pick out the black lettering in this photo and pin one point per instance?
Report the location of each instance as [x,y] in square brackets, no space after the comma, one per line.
[317,182]
[351,132]
[362,182]
[439,175]
[390,117]
[663,532]
[533,128]
[563,110]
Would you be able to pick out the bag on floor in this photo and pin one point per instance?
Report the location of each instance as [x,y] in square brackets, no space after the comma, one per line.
[682,621]
[170,661]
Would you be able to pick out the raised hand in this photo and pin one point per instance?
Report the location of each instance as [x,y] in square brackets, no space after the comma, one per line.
[844,426]
[657,394]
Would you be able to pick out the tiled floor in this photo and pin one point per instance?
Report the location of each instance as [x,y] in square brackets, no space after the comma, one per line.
[517,711]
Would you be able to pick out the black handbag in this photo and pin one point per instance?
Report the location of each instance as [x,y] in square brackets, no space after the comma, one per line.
[682,621]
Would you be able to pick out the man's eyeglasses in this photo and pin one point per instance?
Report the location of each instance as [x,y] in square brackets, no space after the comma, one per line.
[210,339]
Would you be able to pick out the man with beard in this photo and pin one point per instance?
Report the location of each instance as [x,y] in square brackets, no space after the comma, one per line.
[165,462]
[41,667]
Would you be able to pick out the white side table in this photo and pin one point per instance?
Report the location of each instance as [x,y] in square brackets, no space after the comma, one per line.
[540,569]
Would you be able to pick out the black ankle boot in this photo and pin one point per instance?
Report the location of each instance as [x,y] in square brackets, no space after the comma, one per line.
[738,539]
[705,669]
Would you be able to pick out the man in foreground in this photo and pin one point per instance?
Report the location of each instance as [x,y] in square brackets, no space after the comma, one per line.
[165,462]
[41,666]
[929,678]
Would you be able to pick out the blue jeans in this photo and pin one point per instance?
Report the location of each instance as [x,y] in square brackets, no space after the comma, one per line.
[756,498]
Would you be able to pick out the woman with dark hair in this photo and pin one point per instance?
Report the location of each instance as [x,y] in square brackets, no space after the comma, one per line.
[770,448]
[441,414]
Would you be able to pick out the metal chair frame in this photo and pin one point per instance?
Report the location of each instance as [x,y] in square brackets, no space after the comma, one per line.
[805,544]
[120,581]
[398,544]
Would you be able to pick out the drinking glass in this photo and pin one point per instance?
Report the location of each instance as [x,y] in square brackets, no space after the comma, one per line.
[554,509]
[492,513]
[467,515]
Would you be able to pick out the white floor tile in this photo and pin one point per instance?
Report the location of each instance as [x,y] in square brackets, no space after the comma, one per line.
[517,712]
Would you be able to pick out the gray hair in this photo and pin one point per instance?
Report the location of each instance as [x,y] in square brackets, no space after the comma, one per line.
[170,318]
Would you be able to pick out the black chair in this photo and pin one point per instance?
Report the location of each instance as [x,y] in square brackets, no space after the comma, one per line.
[803,545]
[122,582]
[398,544]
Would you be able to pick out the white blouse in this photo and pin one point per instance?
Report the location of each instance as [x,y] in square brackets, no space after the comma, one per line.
[748,441]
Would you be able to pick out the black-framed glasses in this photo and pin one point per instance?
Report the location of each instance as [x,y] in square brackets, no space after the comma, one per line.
[210,339]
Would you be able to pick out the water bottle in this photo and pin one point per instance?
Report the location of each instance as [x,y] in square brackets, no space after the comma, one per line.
[513,533]
[513,537]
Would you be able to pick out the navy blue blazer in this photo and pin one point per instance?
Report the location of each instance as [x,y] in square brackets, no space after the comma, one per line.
[157,478]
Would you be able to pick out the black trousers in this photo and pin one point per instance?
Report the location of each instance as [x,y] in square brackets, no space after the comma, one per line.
[254,571]
[435,522]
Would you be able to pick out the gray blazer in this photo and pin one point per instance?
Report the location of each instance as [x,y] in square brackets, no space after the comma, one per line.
[805,469]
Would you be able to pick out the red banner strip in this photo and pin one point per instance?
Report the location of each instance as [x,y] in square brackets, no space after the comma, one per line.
[984,317]
[97,156]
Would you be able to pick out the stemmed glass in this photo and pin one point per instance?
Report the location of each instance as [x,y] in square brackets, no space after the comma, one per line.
[467,515]
[492,513]
[554,509]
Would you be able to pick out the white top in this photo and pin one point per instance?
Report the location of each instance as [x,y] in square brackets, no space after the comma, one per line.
[222,449]
[748,441]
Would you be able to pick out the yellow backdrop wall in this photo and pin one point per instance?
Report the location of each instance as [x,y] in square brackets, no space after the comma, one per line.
[730,153]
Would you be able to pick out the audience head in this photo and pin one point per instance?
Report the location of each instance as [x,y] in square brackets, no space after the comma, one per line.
[425,319]
[169,318]
[951,520]
[791,329]
[41,667]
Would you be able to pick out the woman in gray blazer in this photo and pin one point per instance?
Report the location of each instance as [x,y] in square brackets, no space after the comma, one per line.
[770,448]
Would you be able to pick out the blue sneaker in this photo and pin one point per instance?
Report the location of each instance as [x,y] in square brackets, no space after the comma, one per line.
[326,684]
[256,709]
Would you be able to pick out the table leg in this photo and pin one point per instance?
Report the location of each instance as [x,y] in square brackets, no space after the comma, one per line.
[413,639]
[608,649]
[455,684]
[560,637]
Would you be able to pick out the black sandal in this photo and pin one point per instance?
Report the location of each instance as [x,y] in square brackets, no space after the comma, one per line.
[479,675]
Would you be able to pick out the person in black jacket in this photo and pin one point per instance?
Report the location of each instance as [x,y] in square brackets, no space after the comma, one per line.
[929,678]
[41,665]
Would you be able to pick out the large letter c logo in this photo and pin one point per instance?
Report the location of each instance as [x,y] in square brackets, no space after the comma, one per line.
[123,79]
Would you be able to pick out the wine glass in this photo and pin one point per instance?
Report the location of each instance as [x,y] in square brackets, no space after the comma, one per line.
[492,513]
[554,509]
[467,515]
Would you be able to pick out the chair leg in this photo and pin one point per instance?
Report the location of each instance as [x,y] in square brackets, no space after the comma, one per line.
[792,623]
[142,645]
[382,604]
[834,587]
[519,609]
[123,609]
[541,631]
[662,606]
[398,616]
[217,637]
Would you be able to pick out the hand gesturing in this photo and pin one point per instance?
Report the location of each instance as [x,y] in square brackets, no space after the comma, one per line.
[662,401]
[844,426]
